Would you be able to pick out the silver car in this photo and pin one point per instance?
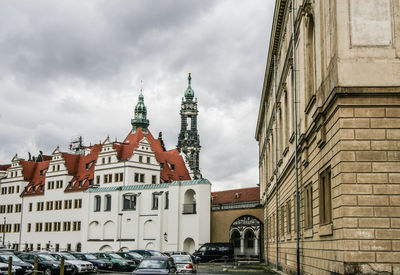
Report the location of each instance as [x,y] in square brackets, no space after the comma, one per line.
[184,264]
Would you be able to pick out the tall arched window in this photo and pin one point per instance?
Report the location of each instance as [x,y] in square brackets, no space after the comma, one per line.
[310,59]
[107,203]
[97,203]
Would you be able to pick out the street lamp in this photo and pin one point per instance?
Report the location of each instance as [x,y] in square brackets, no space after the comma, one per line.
[4,230]
[120,230]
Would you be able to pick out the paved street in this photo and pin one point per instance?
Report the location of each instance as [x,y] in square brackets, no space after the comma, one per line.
[227,268]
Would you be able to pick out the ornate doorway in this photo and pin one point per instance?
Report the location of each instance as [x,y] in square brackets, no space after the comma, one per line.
[246,234]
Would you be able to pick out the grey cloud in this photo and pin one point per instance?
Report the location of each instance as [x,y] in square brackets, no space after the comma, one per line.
[73,68]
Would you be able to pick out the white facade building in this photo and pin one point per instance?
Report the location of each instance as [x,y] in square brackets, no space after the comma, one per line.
[111,196]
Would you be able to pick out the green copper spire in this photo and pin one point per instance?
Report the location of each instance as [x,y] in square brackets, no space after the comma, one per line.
[140,120]
[189,91]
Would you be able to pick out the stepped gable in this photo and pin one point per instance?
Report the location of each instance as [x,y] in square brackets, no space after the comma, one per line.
[84,170]
[35,173]
[131,142]
[236,195]
[4,167]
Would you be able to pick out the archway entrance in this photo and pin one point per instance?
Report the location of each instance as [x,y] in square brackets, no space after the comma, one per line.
[246,236]
[188,245]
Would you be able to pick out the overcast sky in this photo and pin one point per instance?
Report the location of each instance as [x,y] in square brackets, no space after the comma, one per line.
[71,68]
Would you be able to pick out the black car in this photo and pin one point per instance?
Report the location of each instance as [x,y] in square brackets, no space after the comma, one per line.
[46,263]
[119,263]
[99,264]
[133,256]
[215,252]
[25,267]
[147,252]
[156,265]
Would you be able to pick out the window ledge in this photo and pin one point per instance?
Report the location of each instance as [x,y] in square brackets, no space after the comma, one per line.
[127,209]
[326,229]
[308,233]
[286,151]
[291,139]
[310,104]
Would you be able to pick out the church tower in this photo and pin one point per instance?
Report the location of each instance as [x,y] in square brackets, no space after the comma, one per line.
[140,120]
[189,140]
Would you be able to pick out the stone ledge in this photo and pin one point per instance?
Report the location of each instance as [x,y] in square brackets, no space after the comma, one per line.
[326,230]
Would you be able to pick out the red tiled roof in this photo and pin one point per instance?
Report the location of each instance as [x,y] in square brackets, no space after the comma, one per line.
[4,167]
[84,170]
[82,167]
[236,195]
[35,173]
[131,142]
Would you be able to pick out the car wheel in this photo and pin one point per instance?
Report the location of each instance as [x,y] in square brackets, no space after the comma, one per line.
[95,269]
[48,271]
[225,259]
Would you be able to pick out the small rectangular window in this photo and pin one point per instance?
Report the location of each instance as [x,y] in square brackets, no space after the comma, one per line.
[148,159]
[153,179]
[140,159]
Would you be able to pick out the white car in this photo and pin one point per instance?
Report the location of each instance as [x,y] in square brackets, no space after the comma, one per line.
[80,266]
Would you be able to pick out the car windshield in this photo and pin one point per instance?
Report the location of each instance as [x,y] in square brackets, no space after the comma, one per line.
[135,255]
[14,258]
[46,257]
[90,257]
[115,256]
[153,264]
[156,253]
[68,256]
[179,259]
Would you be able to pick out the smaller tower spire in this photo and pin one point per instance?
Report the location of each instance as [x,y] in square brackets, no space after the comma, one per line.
[189,93]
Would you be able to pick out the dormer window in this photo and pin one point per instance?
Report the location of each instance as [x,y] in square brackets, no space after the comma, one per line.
[162,165]
[80,183]
[41,172]
[237,195]
[172,167]
[41,188]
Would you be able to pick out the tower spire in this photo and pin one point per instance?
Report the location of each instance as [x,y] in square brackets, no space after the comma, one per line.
[188,139]
[140,120]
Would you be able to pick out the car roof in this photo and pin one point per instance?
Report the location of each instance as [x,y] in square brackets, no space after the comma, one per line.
[157,258]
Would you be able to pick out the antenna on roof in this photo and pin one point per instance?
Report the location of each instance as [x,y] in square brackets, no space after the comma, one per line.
[76,145]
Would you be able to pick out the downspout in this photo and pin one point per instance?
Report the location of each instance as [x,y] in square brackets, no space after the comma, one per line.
[296,142]
[276,166]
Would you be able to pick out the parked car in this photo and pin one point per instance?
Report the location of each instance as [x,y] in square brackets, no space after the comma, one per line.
[133,256]
[119,263]
[215,252]
[46,263]
[24,267]
[14,269]
[147,253]
[185,264]
[98,264]
[156,265]
[79,265]
[172,253]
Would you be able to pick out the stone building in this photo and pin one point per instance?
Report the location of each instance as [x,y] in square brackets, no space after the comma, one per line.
[237,217]
[347,90]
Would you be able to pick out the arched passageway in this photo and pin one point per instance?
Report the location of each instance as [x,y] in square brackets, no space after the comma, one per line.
[246,236]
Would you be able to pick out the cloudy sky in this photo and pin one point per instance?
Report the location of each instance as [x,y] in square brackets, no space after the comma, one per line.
[71,68]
